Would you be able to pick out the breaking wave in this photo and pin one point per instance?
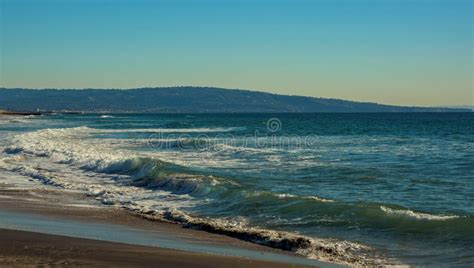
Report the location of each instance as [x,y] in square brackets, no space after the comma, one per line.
[290,196]
[169,130]
[416,215]
[160,190]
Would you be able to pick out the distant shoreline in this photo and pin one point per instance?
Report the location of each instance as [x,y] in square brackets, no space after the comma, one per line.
[189,100]
[2,112]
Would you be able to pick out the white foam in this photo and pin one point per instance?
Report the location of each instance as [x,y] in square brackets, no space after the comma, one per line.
[290,196]
[313,197]
[416,215]
[342,252]
[168,130]
[68,159]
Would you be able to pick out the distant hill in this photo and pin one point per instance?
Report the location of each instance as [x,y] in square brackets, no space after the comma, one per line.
[184,100]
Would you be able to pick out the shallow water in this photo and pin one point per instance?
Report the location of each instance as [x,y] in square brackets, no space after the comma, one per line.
[402,184]
[123,234]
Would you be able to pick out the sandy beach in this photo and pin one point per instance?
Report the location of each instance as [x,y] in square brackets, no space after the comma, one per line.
[38,227]
[19,248]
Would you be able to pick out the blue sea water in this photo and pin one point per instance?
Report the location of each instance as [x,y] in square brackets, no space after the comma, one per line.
[401,184]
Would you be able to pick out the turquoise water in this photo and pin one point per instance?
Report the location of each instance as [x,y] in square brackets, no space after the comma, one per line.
[402,184]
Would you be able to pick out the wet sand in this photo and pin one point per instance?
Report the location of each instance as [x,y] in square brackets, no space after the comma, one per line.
[41,230]
[19,248]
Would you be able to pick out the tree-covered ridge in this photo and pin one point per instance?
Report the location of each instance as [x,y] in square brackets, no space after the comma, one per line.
[184,100]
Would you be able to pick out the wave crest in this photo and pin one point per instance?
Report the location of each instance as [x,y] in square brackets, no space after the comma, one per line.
[290,196]
[342,252]
[416,215]
[66,146]
[129,170]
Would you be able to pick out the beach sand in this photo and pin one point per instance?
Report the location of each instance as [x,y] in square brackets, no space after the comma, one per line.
[27,248]
[45,226]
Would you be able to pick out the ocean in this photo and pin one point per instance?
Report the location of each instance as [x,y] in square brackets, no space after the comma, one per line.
[381,188]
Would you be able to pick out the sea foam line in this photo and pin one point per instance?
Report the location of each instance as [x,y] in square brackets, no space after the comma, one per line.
[168,130]
[416,215]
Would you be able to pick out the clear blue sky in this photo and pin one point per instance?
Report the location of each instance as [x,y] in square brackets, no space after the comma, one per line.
[411,52]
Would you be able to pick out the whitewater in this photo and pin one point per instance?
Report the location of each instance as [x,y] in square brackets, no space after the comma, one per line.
[351,196]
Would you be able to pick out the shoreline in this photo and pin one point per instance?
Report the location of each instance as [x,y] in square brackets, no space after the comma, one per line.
[38,215]
[27,248]
[4,112]
[47,186]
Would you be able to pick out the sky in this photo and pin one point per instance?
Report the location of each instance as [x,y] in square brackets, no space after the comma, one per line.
[405,52]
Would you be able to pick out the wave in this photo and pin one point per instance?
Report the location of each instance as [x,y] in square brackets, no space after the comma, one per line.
[168,130]
[343,252]
[210,144]
[91,130]
[309,210]
[290,196]
[62,146]
[223,146]
[416,215]
[128,182]
[312,197]
[107,116]
[68,146]
[16,119]
[339,251]
[131,178]
[169,208]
